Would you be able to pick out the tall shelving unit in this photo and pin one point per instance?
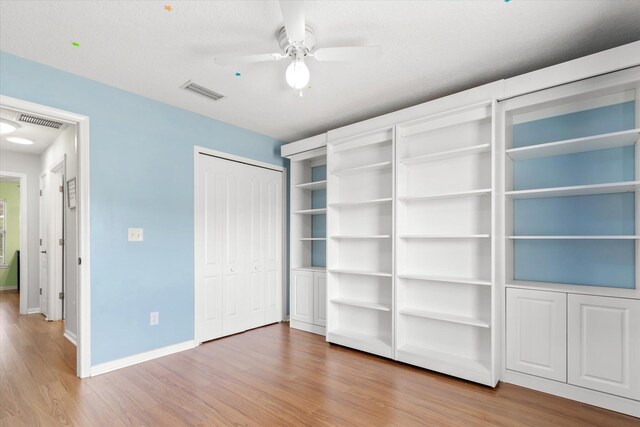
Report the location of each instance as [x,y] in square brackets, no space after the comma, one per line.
[308,241]
[445,311]
[360,245]
[571,186]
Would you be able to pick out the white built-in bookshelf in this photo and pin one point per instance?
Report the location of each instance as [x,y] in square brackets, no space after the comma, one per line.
[444,243]
[360,244]
[308,241]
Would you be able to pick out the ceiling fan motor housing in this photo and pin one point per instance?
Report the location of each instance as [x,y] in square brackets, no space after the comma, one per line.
[309,41]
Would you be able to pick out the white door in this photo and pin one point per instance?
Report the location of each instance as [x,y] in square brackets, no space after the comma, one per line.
[238,247]
[44,271]
[302,295]
[537,333]
[56,248]
[604,344]
[320,299]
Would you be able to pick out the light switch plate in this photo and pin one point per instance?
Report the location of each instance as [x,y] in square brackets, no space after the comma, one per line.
[135,234]
[154,318]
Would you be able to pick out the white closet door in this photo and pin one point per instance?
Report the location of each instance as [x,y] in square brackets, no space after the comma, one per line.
[238,249]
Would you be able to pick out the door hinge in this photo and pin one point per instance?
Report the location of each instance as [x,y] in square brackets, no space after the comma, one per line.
[40,291]
[79,261]
[61,188]
[40,193]
[61,242]
[61,295]
[40,242]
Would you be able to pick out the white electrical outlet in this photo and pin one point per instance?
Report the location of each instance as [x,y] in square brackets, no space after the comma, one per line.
[135,234]
[154,318]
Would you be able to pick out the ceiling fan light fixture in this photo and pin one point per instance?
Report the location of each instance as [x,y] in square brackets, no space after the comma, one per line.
[297,74]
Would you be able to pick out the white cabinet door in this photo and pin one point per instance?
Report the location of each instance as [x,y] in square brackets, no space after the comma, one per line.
[320,299]
[604,344]
[536,333]
[302,295]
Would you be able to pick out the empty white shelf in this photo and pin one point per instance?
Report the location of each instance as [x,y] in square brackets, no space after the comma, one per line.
[445,236]
[362,203]
[467,151]
[362,169]
[470,193]
[311,268]
[361,304]
[614,237]
[379,345]
[447,279]
[577,145]
[354,237]
[315,185]
[363,142]
[360,272]
[445,317]
[312,238]
[319,211]
[447,363]
[576,190]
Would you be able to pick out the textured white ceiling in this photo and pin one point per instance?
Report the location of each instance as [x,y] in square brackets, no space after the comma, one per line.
[431,48]
[41,136]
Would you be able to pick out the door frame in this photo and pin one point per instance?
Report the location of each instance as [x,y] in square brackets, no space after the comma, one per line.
[197,151]
[83,352]
[24,236]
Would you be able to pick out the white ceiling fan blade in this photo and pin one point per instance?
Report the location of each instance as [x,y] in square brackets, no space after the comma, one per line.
[294,25]
[352,53]
[248,59]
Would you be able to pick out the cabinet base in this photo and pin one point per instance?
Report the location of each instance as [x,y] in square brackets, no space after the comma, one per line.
[591,397]
[307,327]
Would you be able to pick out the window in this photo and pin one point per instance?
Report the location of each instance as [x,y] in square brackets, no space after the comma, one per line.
[3,231]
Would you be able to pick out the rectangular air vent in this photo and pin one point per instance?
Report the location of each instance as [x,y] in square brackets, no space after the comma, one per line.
[194,87]
[41,121]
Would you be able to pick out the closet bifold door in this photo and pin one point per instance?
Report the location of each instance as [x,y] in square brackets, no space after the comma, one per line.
[359,242]
[444,242]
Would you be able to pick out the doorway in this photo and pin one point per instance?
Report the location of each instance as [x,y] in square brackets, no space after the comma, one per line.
[55,254]
[239,244]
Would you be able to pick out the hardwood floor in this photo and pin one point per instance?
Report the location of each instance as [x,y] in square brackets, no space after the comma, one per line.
[269,376]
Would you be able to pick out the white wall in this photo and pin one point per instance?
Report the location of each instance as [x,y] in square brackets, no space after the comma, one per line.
[64,147]
[29,164]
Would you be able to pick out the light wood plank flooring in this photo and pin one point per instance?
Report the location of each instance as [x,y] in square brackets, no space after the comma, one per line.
[269,376]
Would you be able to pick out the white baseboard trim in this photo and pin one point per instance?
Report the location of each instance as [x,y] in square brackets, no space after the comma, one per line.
[9,288]
[71,337]
[33,310]
[103,368]
[584,395]
[308,327]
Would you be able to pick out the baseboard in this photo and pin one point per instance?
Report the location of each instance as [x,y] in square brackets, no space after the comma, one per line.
[9,288]
[103,368]
[33,310]
[71,337]
[307,327]
[584,395]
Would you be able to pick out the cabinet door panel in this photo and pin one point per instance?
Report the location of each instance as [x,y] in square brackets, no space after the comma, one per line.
[536,333]
[604,344]
[320,299]
[302,296]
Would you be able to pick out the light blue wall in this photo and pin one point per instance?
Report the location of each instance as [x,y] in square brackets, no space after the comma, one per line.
[608,263]
[141,176]
[319,222]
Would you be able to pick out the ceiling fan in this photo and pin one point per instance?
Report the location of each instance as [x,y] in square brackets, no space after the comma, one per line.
[297,41]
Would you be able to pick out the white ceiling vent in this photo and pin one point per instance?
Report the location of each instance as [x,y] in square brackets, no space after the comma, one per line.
[193,87]
[41,121]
